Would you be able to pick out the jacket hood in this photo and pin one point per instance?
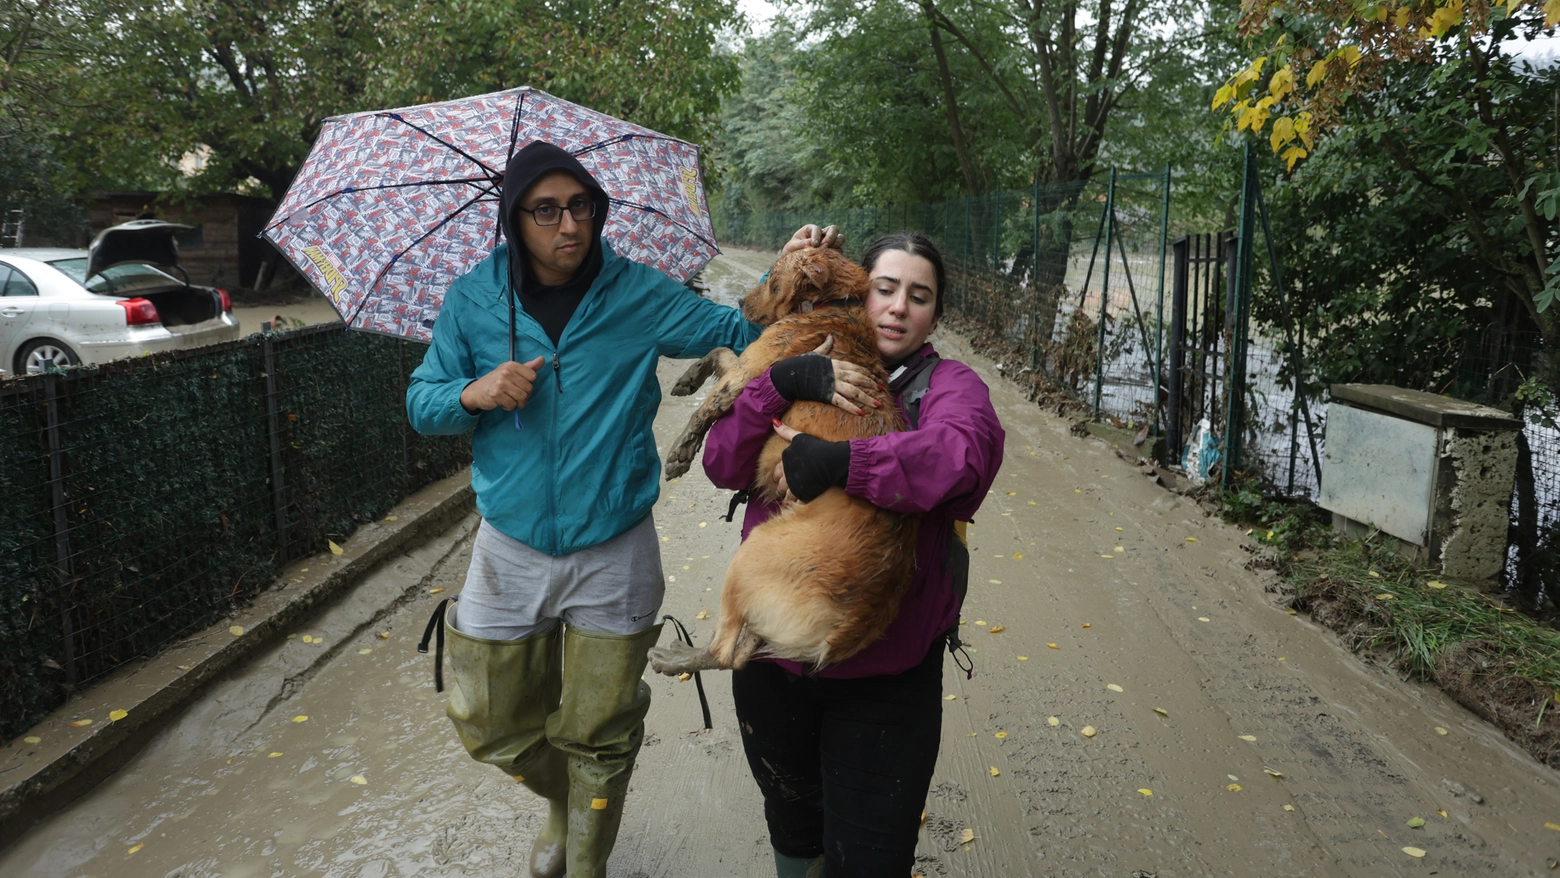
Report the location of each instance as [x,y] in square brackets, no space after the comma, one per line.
[535,161]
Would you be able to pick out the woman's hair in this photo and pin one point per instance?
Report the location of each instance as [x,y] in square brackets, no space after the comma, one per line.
[916,244]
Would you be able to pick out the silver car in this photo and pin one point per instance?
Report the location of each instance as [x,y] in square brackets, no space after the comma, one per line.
[92,306]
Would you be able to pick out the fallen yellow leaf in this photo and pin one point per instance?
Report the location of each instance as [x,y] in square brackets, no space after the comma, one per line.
[32,739]
[1146,791]
[1161,711]
[300,718]
[1373,574]
[1087,731]
[1441,731]
[1191,539]
[1114,688]
[308,638]
[970,735]
[1023,658]
[273,755]
[1234,787]
[136,848]
[702,615]
[994,771]
[1384,597]
[1012,493]
[1053,646]
[1119,550]
[1247,737]
[995,581]
[80,723]
[683,678]
[365,650]
[359,779]
[236,630]
[1086,624]
[1554,826]
[1436,583]
[392,518]
[966,836]
[1414,852]
[704,524]
[384,635]
[1053,722]
[949,697]
[1204,619]
[1442,812]
[435,590]
[1118,530]
[1108,556]
[1018,556]
[117,715]
[1001,734]
[1289,807]
[335,549]
[1290,611]
[997,629]
[980,622]
[1273,773]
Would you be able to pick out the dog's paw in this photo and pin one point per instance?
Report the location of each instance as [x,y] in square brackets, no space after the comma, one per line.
[689,383]
[680,658]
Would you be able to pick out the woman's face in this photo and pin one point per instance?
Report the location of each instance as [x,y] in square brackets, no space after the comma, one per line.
[902,303]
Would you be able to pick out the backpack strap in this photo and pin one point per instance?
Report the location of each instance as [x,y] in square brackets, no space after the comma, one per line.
[920,383]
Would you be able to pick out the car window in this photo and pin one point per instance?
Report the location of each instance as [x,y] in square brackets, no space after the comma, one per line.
[14,283]
[117,280]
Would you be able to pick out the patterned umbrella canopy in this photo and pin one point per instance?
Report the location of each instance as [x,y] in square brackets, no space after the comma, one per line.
[391,207]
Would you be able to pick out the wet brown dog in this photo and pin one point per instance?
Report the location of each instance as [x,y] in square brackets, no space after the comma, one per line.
[820,581]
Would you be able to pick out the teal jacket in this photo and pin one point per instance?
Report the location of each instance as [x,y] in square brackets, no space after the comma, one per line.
[584,468]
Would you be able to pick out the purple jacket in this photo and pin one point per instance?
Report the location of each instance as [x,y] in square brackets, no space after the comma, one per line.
[942,470]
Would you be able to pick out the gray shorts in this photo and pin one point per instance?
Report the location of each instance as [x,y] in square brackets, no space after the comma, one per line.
[513,591]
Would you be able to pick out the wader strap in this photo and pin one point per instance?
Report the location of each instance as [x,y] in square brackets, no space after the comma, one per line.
[435,630]
[737,499]
[956,649]
[682,633]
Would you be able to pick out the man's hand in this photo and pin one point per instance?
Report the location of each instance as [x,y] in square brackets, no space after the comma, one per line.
[508,387]
[813,236]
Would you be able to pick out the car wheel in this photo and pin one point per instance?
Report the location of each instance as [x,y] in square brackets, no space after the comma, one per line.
[39,351]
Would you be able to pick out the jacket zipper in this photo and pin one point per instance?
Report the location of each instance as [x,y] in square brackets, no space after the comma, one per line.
[552,463]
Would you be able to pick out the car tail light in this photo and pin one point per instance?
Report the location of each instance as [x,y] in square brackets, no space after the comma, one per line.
[227,301]
[139,312]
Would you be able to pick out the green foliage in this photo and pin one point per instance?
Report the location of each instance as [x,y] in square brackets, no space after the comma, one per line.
[132,86]
[1289,526]
[170,512]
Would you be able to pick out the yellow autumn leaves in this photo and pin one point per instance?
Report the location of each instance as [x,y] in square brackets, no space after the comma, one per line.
[1252,112]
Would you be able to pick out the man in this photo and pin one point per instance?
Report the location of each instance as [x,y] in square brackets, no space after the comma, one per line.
[561,600]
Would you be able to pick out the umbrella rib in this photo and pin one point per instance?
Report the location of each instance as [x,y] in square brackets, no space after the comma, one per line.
[348,190]
[367,294]
[514,125]
[622,137]
[663,215]
[441,141]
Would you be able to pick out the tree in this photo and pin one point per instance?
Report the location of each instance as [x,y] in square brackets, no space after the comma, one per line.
[251,80]
[1435,87]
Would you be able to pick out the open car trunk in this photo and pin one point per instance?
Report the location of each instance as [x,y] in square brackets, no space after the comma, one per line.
[182,307]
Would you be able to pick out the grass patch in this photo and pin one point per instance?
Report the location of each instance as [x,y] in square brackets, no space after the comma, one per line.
[1497,662]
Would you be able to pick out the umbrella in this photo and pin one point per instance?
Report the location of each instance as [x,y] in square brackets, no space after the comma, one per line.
[391,207]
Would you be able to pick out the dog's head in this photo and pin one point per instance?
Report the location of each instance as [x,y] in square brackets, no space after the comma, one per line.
[804,277]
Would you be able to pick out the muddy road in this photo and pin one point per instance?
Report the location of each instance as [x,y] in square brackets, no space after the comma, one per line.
[1116,601]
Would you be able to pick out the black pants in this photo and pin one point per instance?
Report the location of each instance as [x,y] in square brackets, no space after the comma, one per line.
[844,765]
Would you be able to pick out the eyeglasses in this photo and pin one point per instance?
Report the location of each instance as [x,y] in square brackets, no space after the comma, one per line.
[581,209]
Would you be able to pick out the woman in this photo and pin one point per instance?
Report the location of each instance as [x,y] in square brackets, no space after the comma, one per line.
[844,757]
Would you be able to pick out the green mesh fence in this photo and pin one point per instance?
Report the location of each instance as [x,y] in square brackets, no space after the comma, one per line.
[147,497]
[1035,273]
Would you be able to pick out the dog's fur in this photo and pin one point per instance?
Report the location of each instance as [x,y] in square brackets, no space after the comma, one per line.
[820,581]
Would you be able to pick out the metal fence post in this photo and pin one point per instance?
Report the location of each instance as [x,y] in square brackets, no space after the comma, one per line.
[274,434]
[996,231]
[1099,345]
[1034,278]
[1159,329]
[62,554]
[406,450]
[1236,316]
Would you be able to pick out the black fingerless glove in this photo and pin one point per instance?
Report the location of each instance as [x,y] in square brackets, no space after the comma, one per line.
[814,465]
[806,376]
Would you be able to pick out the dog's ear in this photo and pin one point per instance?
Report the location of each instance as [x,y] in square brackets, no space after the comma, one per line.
[817,272]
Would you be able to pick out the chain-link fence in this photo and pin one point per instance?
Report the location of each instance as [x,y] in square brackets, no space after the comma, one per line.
[1065,279]
[146,497]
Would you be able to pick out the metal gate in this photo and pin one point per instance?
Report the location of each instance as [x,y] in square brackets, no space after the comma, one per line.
[1197,345]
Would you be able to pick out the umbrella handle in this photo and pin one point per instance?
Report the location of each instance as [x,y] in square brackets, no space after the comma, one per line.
[518,425]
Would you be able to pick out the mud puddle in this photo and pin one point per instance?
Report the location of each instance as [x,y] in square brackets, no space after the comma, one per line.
[374,783]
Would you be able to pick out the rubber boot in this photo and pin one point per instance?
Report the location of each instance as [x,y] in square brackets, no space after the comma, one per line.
[600,724]
[797,867]
[501,693]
